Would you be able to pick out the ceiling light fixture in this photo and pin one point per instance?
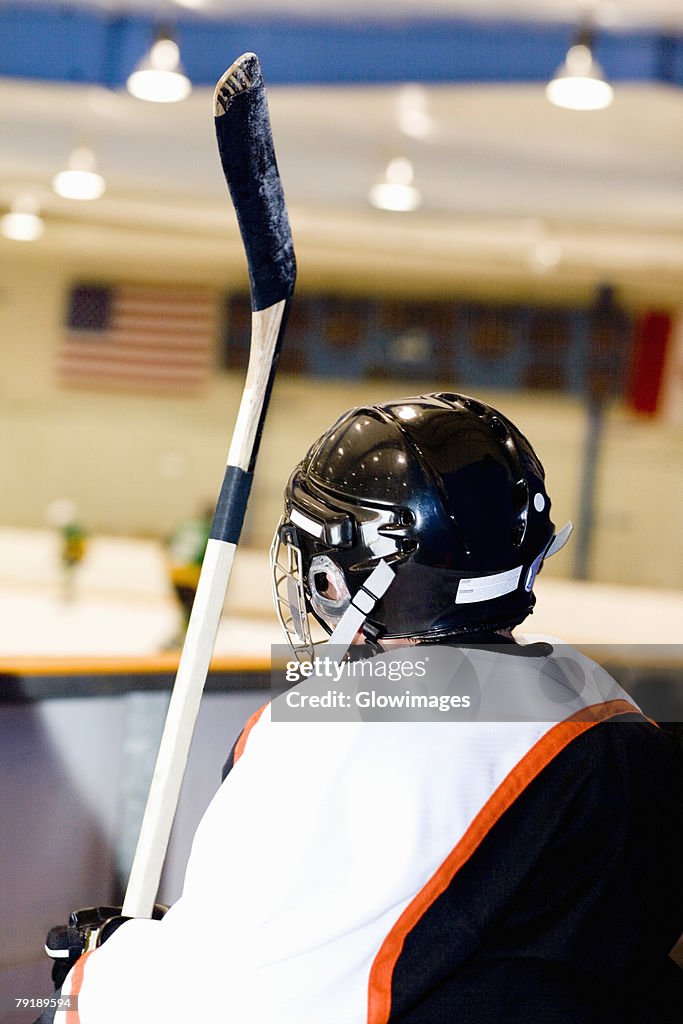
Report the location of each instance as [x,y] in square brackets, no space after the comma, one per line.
[159,77]
[412,112]
[23,223]
[579,83]
[396,191]
[80,180]
[546,255]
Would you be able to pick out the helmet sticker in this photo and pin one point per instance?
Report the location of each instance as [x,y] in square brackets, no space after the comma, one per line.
[309,525]
[484,588]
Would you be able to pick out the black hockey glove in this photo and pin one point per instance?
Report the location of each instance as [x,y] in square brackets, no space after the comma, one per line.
[87,929]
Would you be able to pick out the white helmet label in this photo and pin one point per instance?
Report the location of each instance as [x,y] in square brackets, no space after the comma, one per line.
[306,524]
[485,588]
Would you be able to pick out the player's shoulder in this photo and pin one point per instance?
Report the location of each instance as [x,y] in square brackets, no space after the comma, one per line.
[629,760]
[638,740]
[262,714]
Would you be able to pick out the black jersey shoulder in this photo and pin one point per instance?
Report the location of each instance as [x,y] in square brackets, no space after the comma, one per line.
[571,902]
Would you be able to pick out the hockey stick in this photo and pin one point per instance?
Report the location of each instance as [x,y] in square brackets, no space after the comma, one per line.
[246,150]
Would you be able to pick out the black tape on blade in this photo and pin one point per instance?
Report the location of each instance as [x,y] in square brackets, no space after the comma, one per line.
[246,149]
[232,505]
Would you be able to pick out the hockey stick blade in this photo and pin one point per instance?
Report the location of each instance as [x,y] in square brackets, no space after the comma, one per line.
[246,150]
[245,144]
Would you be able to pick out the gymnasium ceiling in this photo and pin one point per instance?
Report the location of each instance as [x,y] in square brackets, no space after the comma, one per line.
[516,193]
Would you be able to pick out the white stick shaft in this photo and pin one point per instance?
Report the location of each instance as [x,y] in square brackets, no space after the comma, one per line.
[200,639]
[177,736]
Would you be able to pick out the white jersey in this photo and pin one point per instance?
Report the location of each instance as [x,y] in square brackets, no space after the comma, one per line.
[324,846]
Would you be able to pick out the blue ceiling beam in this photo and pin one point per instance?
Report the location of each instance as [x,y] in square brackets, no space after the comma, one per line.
[53,43]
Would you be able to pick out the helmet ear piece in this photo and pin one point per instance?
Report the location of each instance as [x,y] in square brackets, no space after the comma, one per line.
[327,589]
[320,583]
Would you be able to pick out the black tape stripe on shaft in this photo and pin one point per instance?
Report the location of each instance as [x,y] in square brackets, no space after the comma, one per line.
[232,505]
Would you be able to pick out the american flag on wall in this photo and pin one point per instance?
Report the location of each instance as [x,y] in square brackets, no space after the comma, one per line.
[138,337]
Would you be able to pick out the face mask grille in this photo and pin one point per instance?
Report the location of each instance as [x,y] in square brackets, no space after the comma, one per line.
[286,567]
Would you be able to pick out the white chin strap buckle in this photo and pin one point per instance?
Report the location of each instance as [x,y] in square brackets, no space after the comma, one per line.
[362,603]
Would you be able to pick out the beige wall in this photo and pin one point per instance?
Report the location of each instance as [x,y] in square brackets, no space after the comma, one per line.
[137,464]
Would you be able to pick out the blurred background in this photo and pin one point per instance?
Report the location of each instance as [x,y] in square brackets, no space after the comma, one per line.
[452,225]
[485,196]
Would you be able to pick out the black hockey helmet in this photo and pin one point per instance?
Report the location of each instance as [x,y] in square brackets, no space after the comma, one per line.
[443,488]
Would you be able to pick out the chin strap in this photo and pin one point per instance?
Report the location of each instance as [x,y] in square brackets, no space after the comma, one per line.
[362,603]
[560,539]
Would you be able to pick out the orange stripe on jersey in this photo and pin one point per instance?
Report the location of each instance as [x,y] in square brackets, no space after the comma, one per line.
[244,736]
[524,772]
[72,1016]
[595,713]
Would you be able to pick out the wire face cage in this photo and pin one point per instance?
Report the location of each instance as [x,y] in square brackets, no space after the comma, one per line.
[286,571]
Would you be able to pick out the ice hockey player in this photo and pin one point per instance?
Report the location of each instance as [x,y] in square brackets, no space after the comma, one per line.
[376,872]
